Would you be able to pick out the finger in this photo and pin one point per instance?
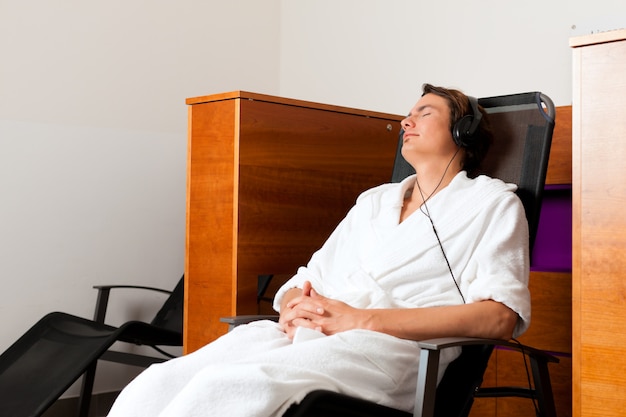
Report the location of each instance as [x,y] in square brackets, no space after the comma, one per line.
[295,301]
[299,312]
[306,323]
[306,292]
[306,288]
[308,313]
[291,332]
[310,307]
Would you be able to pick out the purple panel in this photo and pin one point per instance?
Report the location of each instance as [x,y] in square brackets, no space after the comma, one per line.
[553,245]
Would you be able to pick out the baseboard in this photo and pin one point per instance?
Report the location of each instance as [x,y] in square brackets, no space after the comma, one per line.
[68,407]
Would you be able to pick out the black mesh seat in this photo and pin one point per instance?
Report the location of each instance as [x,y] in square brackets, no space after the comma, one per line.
[59,348]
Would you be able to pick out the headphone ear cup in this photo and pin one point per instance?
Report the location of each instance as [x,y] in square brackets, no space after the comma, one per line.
[461,131]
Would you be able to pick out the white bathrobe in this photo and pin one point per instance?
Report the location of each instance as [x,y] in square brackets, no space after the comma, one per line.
[369,261]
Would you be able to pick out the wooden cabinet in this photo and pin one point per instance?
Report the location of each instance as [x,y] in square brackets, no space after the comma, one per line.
[599,224]
[269,178]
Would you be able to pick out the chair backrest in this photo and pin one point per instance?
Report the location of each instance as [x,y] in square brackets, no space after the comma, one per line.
[523,125]
[170,316]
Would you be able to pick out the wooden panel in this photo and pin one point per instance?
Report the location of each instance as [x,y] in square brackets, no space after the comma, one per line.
[598,38]
[560,162]
[209,271]
[269,180]
[551,323]
[576,247]
[300,170]
[599,196]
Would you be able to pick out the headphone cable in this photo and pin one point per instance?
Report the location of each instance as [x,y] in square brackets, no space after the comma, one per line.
[424,209]
[427,214]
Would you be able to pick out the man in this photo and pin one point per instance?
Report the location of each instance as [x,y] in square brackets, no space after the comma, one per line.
[439,254]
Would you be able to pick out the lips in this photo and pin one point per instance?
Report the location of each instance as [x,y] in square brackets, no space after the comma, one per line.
[407,136]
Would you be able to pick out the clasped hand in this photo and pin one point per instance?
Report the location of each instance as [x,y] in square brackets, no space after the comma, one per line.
[314,311]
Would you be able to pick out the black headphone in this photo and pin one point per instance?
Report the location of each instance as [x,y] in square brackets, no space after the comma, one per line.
[465,128]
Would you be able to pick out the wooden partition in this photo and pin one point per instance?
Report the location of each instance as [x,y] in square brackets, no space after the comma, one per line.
[599,224]
[269,178]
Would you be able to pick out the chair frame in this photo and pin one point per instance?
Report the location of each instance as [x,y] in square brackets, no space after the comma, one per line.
[60,348]
[102,302]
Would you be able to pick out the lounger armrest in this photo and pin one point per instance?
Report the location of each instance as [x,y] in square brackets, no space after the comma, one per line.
[103,297]
[138,287]
[234,321]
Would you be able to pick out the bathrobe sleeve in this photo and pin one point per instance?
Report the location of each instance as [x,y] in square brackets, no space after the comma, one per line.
[499,267]
[373,261]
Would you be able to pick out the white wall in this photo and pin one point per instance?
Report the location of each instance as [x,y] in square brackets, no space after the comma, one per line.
[93,141]
[376,54]
[93,121]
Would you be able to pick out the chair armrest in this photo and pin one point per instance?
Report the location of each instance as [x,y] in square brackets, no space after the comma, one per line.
[446,342]
[234,321]
[429,364]
[139,287]
[103,297]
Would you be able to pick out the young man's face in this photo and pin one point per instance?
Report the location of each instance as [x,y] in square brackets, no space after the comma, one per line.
[427,130]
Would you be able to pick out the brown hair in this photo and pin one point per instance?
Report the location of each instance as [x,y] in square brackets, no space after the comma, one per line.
[460,106]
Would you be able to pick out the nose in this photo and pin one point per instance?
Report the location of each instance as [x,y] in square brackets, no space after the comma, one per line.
[407,122]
